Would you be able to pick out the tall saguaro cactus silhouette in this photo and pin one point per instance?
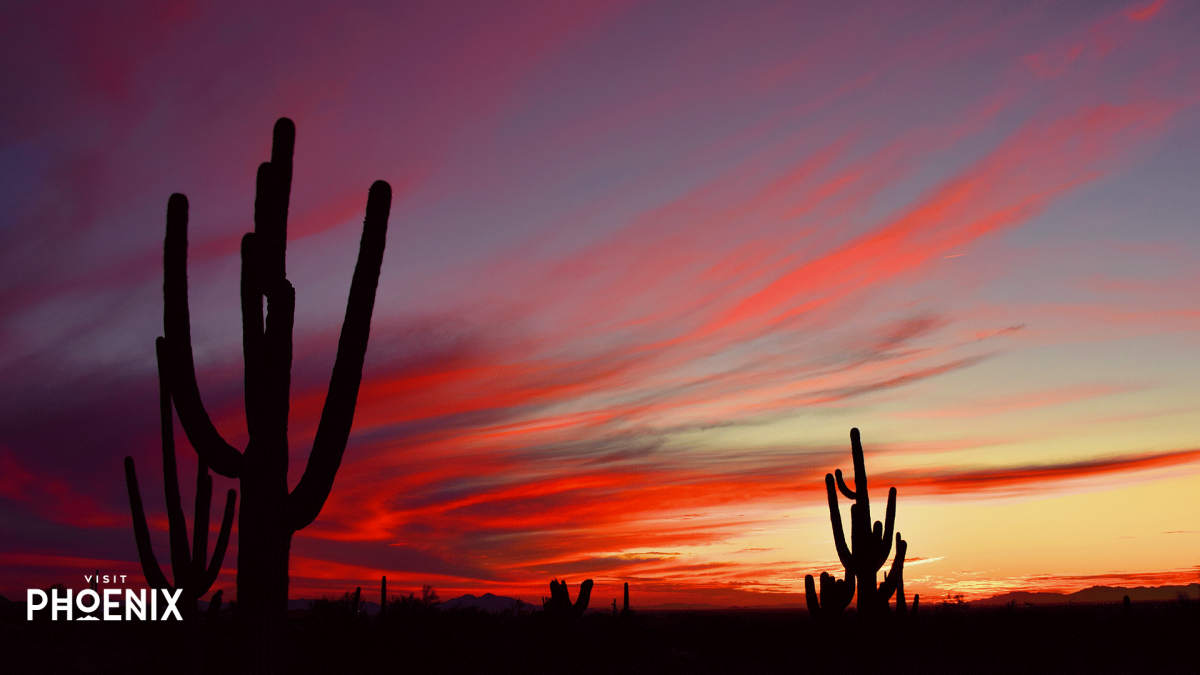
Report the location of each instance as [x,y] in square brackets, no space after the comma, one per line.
[870,546]
[270,515]
[192,571]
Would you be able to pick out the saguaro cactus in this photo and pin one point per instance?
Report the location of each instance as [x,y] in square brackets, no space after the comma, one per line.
[559,604]
[214,605]
[870,546]
[836,595]
[192,571]
[269,513]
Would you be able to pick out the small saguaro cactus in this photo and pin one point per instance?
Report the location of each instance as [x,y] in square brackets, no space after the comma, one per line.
[870,546]
[214,605]
[192,571]
[383,596]
[559,603]
[836,595]
[625,612]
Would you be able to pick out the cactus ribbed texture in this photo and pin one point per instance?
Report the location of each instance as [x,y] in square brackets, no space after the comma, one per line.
[192,571]
[870,546]
[559,604]
[269,513]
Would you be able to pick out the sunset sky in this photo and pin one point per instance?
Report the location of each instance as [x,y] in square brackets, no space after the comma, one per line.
[647,265]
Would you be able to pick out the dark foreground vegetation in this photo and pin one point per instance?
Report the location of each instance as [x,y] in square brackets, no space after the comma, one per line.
[1150,638]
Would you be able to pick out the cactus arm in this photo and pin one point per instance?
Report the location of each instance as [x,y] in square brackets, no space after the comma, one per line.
[271,201]
[890,520]
[214,567]
[860,469]
[141,532]
[841,483]
[333,431]
[204,486]
[181,564]
[204,437]
[894,579]
[810,596]
[585,596]
[835,517]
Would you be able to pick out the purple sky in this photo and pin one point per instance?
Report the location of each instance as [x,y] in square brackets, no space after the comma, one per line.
[647,265]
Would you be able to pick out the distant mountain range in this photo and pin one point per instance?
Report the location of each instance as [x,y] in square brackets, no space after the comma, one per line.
[489,602]
[1095,594]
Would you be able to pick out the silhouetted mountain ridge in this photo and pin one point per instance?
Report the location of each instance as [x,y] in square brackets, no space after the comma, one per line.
[487,602]
[1095,594]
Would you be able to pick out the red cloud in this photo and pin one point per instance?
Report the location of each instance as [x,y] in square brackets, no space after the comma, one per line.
[1146,12]
[52,498]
